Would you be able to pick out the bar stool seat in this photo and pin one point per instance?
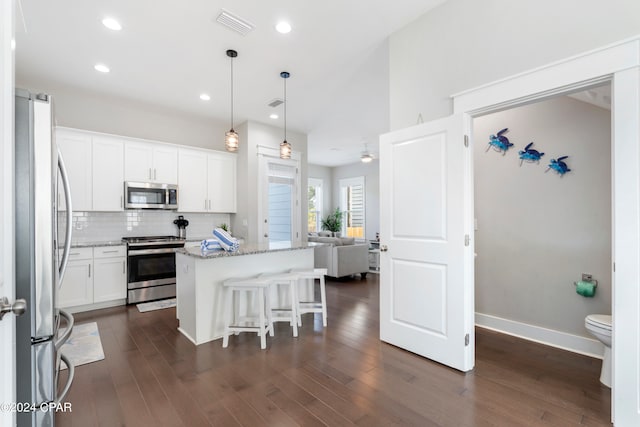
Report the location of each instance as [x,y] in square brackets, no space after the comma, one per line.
[262,324]
[313,306]
[288,312]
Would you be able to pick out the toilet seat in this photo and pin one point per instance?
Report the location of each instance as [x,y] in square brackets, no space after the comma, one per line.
[599,321]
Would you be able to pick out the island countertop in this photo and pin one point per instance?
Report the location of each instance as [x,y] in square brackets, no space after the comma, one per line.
[247,249]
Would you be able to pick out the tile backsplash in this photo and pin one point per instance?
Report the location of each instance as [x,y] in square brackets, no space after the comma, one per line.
[108,226]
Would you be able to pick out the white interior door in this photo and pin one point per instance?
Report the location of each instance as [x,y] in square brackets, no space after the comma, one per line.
[426,274]
[7,280]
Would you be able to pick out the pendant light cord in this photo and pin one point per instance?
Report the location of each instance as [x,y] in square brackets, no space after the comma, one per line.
[232,93]
[285,109]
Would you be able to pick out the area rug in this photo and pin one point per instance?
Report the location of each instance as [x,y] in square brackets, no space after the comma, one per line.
[156,305]
[84,345]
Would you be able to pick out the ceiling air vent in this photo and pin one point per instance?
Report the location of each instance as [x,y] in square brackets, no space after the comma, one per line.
[275,102]
[234,22]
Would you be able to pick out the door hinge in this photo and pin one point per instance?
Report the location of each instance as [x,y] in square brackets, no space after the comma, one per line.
[614,267]
[466,140]
[466,340]
[466,240]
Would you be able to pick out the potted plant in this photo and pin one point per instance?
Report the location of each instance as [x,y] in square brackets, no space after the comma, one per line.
[333,222]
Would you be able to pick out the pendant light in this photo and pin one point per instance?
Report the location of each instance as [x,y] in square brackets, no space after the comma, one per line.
[285,147]
[231,137]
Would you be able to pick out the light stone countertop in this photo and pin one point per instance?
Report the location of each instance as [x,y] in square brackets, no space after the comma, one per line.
[247,249]
[95,244]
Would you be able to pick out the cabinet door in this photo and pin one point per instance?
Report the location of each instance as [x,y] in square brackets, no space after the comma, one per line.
[222,182]
[76,153]
[138,162]
[165,164]
[77,286]
[110,279]
[108,174]
[192,181]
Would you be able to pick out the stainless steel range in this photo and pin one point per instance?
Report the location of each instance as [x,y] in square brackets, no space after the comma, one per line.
[151,267]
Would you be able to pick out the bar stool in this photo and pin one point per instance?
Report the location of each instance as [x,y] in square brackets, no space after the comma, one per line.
[257,286]
[312,306]
[289,313]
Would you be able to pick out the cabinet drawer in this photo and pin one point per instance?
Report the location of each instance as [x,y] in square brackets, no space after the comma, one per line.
[80,253]
[109,251]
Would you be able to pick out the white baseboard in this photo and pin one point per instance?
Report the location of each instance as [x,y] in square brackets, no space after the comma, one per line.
[562,340]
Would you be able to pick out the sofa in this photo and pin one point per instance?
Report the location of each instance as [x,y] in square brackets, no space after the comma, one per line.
[341,256]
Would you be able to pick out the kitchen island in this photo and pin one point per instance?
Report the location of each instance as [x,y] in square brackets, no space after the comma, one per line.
[200,276]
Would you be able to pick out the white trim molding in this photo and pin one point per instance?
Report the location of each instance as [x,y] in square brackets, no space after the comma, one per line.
[619,64]
[553,338]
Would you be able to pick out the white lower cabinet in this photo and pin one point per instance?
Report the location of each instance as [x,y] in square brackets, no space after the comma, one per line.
[94,276]
[77,285]
[110,279]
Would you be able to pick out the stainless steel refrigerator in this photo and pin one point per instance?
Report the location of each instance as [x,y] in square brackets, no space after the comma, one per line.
[39,262]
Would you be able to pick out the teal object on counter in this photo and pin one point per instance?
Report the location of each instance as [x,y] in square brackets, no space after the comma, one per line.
[586,289]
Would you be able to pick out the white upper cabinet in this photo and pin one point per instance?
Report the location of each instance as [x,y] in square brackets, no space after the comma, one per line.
[221,180]
[76,153]
[192,181]
[148,162]
[206,181]
[108,174]
[95,168]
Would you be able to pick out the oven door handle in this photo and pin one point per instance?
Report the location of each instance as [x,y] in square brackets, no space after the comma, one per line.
[151,251]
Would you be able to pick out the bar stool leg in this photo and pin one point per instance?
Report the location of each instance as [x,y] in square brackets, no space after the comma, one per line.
[295,316]
[263,330]
[267,302]
[228,293]
[323,299]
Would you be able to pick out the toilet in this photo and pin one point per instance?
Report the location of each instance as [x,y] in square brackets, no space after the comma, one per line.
[599,325]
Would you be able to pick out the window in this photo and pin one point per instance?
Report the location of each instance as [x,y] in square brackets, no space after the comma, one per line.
[314,194]
[352,205]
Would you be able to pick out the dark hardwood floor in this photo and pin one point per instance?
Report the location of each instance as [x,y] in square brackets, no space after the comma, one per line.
[341,375]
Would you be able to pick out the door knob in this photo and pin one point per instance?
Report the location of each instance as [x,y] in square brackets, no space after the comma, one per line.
[18,308]
[383,248]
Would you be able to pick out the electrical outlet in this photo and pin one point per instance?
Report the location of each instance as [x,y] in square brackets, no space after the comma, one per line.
[586,277]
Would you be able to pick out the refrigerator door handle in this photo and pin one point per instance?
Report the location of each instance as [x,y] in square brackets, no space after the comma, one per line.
[70,321]
[67,386]
[67,232]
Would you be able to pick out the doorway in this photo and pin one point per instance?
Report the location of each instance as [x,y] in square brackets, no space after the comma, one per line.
[537,230]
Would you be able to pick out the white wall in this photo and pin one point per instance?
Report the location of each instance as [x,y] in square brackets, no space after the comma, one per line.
[371,174]
[466,43]
[86,110]
[323,173]
[537,232]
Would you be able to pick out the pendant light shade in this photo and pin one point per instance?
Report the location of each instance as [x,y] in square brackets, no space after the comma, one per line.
[285,147]
[231,139]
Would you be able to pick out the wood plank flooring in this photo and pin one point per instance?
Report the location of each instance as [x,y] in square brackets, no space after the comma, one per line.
[338,376]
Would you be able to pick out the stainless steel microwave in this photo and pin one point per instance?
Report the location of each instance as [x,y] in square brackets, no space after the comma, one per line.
[149,195]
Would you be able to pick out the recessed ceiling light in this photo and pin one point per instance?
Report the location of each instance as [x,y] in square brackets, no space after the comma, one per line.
[283,27]
[273,116]
[205,97]
[102,68]
[111,24]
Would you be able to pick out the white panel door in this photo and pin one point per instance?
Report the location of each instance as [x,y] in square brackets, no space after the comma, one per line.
[108,174]
[426,273]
